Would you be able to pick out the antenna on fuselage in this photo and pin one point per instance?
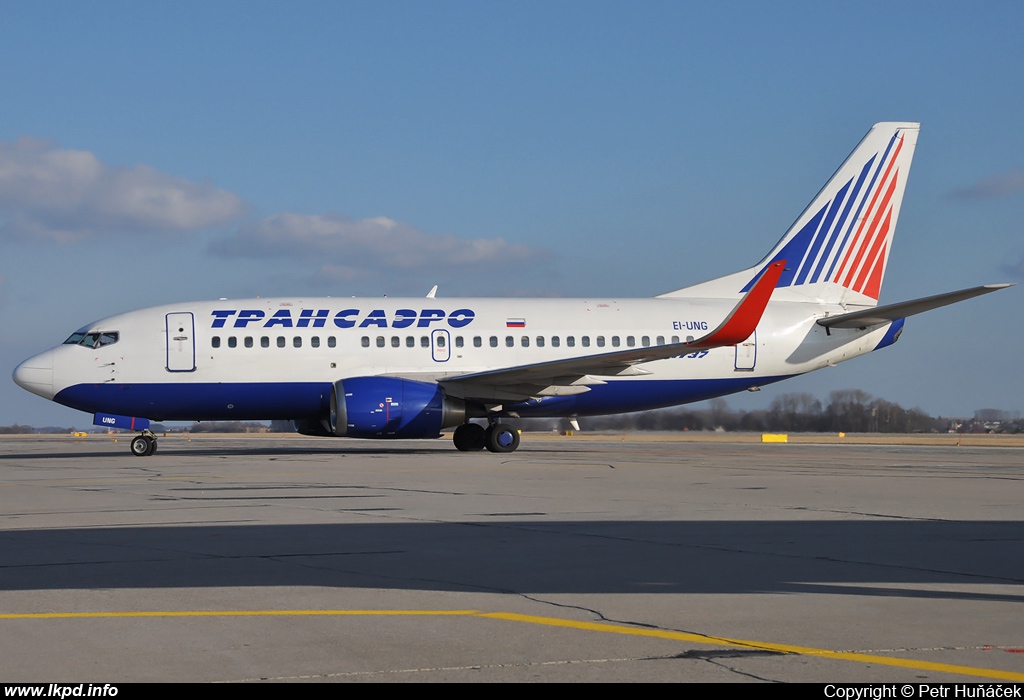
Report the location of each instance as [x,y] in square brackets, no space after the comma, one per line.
[432,292]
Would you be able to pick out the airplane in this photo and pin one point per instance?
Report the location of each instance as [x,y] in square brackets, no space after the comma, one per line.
[410,368]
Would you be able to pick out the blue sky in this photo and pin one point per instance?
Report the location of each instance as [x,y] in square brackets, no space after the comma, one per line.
[156,153]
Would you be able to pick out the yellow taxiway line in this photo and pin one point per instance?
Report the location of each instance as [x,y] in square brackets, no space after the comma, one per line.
[554,622]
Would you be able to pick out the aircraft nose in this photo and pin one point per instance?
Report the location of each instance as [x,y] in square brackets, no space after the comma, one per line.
[36,374]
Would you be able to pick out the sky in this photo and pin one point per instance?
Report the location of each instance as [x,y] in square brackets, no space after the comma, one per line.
[153,153]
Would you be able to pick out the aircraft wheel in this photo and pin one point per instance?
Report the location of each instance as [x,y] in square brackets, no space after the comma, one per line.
[143,446]
[470,437]
[502,438]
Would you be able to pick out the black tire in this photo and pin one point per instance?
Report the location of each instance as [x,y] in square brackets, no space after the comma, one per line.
[502,438]
[470,437]
[143,445]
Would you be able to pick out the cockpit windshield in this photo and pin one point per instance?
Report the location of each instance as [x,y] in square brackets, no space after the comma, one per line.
[95,339]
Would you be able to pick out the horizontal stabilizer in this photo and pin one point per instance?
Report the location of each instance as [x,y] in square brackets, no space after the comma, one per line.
[885,314]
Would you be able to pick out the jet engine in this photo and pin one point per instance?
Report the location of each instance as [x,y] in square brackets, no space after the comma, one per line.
[387,407]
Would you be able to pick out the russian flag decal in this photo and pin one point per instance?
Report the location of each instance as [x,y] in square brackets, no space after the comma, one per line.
[515,323]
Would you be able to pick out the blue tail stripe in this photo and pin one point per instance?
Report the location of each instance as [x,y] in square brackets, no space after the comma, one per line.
[826,227]
[838,232]
[860,207]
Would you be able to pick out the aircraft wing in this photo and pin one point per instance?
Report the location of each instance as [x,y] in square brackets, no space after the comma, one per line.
[884,314]
[574,375]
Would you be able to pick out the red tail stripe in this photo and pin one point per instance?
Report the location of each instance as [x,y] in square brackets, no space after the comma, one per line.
[872,259]
[856,242]
[874,239]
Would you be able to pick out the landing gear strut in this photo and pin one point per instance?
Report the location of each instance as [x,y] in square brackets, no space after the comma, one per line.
[144,445]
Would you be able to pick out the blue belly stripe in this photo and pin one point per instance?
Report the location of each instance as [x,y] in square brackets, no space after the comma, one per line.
[311,400]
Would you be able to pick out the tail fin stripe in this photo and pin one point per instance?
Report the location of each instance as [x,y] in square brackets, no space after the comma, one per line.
[872,258]
[794,250]
[839,232]
[874,285]
[870,240]
[823,233]
[857,244]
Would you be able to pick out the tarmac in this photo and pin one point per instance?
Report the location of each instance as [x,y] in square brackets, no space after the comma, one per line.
[598,558]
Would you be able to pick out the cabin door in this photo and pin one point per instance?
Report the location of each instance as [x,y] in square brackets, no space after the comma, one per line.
[181,342]
[746,354]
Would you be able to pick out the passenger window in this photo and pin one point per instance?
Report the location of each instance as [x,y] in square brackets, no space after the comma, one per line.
[540,341]
[510,342]
[585,341]
[396,342]
[215,341]
[571,341]
[297,341]
[280,341]
[675,339]
[458,341]
[525,340]
[440,340]
[600,341]
[646,341]
[424,341]
[554,341]
[660,340]
[410,342]
[331,342]
[477,341]
[630,341]
[232,342]
[380,341]
[494,341]
[264,342]
[248,341]
[365,341]
[615,341]
[314,342]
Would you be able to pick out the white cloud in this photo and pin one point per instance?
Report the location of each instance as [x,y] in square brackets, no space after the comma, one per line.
[62,195]
[348,250]
[1001,185]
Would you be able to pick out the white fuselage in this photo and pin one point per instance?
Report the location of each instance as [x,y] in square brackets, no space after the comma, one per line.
[277,358]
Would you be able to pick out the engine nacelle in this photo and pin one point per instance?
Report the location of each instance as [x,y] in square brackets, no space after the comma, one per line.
[386,407]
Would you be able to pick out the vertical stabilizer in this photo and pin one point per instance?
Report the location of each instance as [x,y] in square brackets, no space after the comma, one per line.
[838,247]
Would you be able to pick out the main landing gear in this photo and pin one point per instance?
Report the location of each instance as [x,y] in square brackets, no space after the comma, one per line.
[144,445]
[497,437]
